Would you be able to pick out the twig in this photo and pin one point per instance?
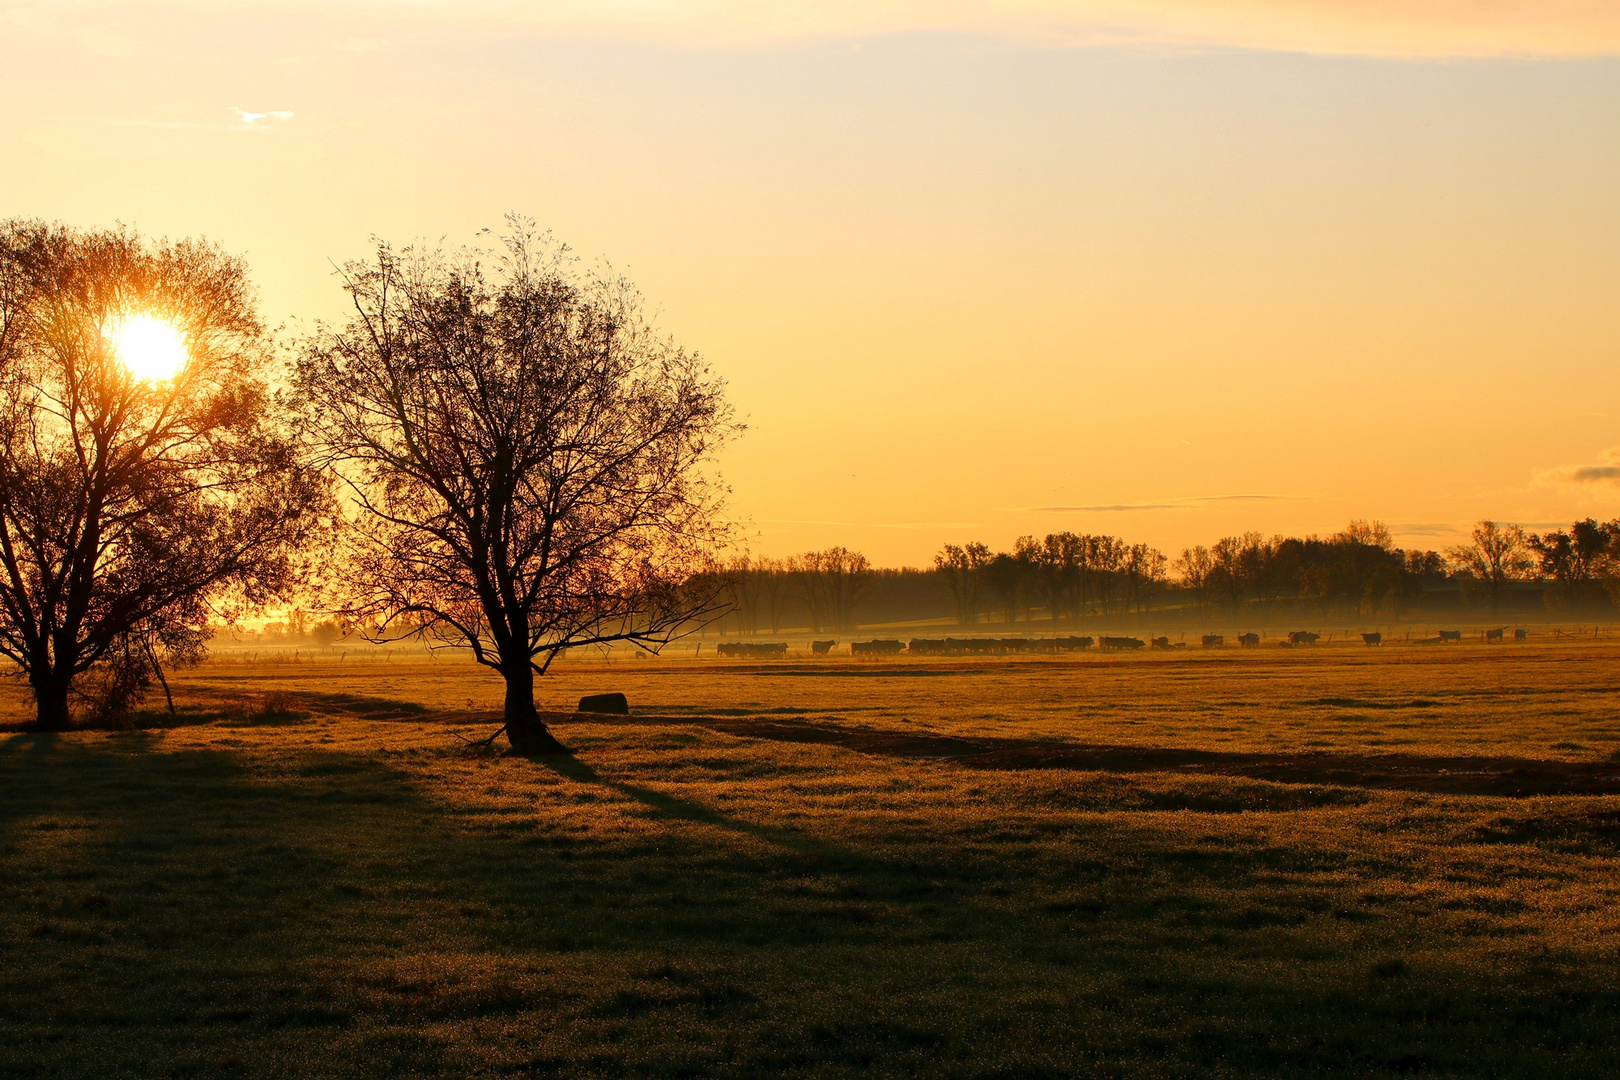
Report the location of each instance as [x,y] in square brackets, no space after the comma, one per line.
[482,744]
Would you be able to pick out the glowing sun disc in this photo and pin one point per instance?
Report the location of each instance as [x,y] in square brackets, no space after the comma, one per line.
[149,348]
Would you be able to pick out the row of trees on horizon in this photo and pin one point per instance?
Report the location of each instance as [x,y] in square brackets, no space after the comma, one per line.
[1068,578]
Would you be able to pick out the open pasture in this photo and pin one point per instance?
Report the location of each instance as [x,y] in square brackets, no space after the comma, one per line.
[1336,861]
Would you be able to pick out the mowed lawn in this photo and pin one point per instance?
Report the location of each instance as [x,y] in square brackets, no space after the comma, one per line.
[1339,861]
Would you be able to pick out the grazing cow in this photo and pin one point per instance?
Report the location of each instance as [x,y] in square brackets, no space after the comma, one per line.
[1249,641]
[752,650]
[1214,641]
[1495,635]
[1161,643]
[821,648]
[1520,635]
[1122,643]
[927,646]
[1065,644]
[1451,635]
[1373,639]
[875,648]
[1302,637]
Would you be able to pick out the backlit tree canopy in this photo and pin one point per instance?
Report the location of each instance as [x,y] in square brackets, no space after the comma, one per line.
[144,475]
[527,458]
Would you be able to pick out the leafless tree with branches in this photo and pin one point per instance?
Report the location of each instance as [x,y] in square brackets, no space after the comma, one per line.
[528,458]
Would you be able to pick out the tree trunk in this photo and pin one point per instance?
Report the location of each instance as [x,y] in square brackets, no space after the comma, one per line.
[51,698]
[525,730]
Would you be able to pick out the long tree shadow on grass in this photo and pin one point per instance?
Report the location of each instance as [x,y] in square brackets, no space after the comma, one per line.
[319,913]
[1457,775]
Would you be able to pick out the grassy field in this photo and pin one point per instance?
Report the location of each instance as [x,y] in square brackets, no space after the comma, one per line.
[1339,861]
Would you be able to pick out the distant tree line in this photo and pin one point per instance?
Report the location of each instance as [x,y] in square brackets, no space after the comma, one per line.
[1070,579]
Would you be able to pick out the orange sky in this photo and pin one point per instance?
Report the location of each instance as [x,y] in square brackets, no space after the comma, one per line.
[1170,270]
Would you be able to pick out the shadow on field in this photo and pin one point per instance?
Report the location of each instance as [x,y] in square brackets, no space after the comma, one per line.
[1512,777]
[674,808]
[262,910]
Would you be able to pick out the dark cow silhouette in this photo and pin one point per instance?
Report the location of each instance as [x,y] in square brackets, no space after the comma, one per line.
[1373,639]
[1161,643]
[752,650]
[822,648]
[1520,635]
[1249,641]
[1214,641]
[1495,635]
[953,646]
[1303,637]
[1451,635]
[875,648]
[1123,643]
[617,704]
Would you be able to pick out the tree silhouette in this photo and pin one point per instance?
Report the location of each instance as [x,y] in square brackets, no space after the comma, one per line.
[128,505]
[526,456]
[962,568]
[1496,555]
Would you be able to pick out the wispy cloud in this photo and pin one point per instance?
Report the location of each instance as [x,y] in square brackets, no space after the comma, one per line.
[872,524]
[244,118]
[1604,471]
[1187,503]
[1429,528]
[1432,28]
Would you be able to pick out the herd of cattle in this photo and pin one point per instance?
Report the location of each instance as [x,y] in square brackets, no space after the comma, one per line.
[994,646]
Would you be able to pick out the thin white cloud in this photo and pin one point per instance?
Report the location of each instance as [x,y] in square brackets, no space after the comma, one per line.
[244,118]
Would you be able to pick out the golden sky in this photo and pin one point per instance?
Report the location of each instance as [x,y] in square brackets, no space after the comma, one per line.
[1165,269]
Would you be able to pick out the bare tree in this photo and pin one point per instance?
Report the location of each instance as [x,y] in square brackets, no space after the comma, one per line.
[1143,574]
[772,582]
[1195,565]
[1057,571]
[962,568]
[804,573]
[847,578]
[1009,576]
[742,599]
[133,497]
[527,457]
[831,583]
[1105,559]
[1497,554]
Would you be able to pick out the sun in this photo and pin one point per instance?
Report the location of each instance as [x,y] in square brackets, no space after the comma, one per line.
[149,348]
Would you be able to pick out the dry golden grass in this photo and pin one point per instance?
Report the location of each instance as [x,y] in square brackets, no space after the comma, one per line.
[828,869]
